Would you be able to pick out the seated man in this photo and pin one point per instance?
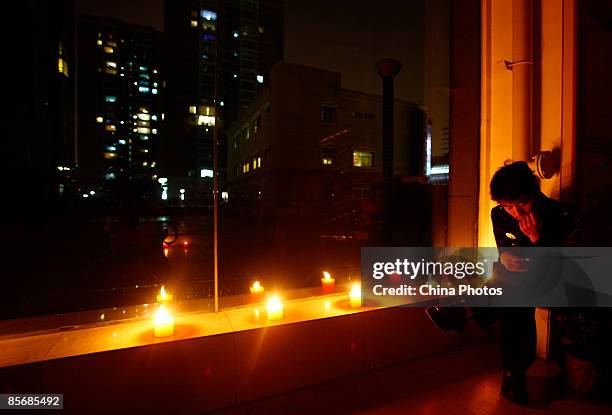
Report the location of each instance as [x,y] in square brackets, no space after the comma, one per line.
[524,217]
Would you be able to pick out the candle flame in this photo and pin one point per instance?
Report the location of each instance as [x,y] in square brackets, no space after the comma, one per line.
[162,292]
[327,275]
[356,290]
[256,285]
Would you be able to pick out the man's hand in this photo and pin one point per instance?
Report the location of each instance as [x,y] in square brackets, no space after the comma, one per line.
[530,227]
[513,262]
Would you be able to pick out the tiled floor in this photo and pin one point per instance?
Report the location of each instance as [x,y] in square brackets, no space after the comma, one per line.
[465,382]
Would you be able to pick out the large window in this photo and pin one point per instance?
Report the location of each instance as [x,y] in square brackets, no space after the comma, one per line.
[159,111]
[363,158]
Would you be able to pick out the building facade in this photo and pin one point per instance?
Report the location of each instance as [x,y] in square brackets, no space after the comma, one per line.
[308,143]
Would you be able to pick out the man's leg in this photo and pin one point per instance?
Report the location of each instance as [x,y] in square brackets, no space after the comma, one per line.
[518,350]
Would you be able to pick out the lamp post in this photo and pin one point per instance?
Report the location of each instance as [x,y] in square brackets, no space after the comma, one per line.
[387,69]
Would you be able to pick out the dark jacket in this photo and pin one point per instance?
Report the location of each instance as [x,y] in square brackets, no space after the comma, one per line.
[559,225]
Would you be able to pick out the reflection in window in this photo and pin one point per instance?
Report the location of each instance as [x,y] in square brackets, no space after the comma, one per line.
[362,158]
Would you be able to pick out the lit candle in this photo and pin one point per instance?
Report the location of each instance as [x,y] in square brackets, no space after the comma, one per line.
[328,284]
[257,292]
[275,308]
[163,297]
[163,323]
[355,295]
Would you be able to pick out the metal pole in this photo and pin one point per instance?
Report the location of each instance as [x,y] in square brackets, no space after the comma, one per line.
[216,170]
[387,69]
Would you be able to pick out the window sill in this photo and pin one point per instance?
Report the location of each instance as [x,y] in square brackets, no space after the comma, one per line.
[137,333]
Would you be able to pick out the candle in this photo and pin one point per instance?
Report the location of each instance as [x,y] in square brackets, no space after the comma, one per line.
[355,295]
[257,292]
[275,308]
[328,283]
[163,297]
[163,323]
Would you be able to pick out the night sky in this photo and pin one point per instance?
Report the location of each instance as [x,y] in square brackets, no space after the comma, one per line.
[347,36]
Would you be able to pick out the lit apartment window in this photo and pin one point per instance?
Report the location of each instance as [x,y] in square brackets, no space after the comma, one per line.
[206,120]
[193,109]
[362,158]
[328,156]
[208,15]
[109,155]
[258,162]
[143,130]
[194,23]
[144,117]
[328,113]
[111,127]
[110,98]
[99,42]
[111,64]
[108,49]
[112,43]
[99,119]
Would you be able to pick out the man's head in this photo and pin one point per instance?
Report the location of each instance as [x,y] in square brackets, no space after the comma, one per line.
[515,188]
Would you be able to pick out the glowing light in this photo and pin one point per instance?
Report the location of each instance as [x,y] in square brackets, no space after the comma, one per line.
[328,284]
[163,323]
[274,308]
[355,296]
[257,292]
[260,79]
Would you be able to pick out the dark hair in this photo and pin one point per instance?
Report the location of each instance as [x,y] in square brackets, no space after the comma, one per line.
[514,181]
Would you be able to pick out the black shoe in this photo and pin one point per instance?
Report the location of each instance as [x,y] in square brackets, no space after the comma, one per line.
[447,318]
[514,388]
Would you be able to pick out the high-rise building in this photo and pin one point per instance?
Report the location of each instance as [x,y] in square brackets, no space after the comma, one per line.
[119,97]
[233,41]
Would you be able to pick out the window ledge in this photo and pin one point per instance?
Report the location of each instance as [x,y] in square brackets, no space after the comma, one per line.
[128,334]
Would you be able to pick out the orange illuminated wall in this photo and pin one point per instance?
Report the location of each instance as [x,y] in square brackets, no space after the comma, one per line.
[550,93]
